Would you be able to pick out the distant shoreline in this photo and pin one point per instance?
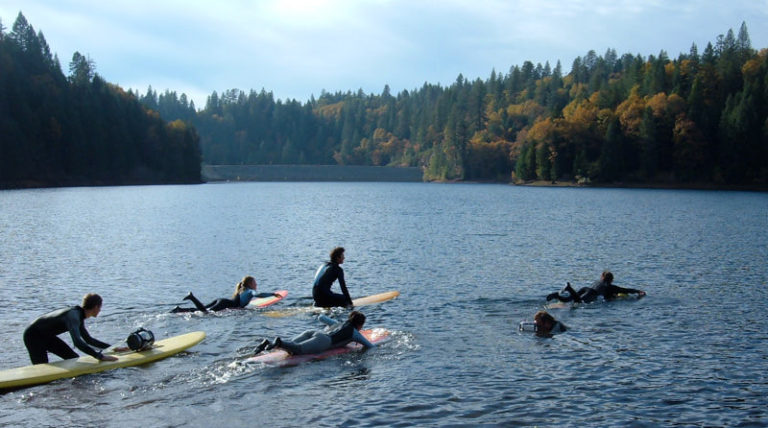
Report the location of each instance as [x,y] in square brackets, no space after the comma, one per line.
[667,186]
[352,173]
[213,173]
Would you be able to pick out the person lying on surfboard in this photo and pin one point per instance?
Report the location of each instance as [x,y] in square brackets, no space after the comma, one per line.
[602,287]
[40,337]
[326,274]
[315,342]
[245,290]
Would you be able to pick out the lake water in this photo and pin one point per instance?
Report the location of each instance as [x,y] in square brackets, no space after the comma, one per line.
[471,262]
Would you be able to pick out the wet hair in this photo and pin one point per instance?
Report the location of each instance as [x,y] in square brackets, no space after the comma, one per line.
[357,319]
[607,276]
[544,316]
[336,253]
[241,286]
[91,300]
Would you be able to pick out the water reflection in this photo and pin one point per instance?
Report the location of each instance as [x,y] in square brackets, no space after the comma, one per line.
[471,262]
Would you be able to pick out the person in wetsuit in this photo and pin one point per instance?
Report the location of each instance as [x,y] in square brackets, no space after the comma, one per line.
[245,290]
[40,337]
[547,325]
[313,341]
[603,287]
[326,274]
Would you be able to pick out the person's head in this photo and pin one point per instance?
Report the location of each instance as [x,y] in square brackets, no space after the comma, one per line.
[357,319]
[246,282]
[544,322]
[607,276]
[91,304]
[337,255]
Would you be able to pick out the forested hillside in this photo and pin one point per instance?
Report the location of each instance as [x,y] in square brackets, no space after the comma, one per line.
[699,118]
[696,118]
[79,129]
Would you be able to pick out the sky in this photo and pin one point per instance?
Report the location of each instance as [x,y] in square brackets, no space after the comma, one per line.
[298,48]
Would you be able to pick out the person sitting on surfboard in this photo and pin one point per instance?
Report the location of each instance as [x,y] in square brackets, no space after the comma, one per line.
[314,342]
[40,337]
[326,274]
[245,290]
[603,287]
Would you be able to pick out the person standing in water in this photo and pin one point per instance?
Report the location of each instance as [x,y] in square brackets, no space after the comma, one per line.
[602,287]
[245,290]
[40,337]
[325,276]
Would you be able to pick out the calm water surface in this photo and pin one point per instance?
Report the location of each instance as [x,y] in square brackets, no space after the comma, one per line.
[471,261]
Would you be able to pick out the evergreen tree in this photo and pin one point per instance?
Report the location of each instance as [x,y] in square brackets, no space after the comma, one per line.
[649,142]
[78,131]
[81,69]
[610,162]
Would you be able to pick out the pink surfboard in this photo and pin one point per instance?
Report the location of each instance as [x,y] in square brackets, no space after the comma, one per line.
[282,358]
[263,302]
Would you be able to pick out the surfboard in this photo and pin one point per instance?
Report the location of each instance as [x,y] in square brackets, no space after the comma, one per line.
[282,358]
[375,298]
[620,296]
[263,302]
[43,373]
[362,301]
[560,305]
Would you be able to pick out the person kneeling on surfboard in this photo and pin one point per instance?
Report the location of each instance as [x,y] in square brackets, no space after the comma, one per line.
[41,336]
[314,342]
[326,274]
[602,287]
[245,290]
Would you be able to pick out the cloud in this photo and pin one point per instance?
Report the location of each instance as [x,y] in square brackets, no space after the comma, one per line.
[297,48]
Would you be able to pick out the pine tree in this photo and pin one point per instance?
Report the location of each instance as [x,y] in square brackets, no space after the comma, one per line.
[81,70]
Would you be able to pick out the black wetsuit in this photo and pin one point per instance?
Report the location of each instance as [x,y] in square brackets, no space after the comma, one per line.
[598,288]
[321,290]
[40,337]
[216,305]
[240,301]
[342,333]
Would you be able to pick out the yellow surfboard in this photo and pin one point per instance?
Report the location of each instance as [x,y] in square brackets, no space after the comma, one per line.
[44,373]
[362,301]
[376,298]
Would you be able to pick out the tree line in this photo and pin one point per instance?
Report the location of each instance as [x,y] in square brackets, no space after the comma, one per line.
[697,118]
[78,129]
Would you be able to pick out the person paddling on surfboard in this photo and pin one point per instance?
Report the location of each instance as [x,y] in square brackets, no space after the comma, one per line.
[602,287]
[315,342]
[245,290]
[40,337]
[325,276]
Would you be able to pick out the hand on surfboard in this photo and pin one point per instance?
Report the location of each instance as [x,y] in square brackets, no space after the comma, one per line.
[108,358]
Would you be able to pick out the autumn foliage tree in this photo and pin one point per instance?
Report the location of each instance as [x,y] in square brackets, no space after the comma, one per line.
[699,117]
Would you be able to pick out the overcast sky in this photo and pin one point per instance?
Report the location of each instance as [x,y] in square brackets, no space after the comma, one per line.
[298,48]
